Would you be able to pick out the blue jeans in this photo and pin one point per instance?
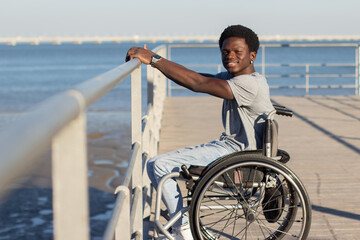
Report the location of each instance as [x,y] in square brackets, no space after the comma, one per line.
[200,155]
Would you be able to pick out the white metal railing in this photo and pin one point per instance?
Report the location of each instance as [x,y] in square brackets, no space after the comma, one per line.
[307,75]
[127,218]
[60,123]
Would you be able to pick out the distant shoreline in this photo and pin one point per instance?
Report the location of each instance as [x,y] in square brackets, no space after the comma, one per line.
[57,40]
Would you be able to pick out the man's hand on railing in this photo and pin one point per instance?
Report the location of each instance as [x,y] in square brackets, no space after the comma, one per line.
[143,54]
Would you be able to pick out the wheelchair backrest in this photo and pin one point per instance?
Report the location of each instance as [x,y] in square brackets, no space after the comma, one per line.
[270,138]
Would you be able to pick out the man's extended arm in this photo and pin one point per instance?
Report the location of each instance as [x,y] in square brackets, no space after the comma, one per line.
[183,76]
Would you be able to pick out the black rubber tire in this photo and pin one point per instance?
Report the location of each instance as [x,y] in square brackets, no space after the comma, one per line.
[246,219]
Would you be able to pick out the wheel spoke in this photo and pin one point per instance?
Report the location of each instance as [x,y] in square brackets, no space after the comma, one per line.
[226,208]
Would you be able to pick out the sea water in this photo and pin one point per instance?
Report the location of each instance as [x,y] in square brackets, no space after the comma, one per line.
[31,73]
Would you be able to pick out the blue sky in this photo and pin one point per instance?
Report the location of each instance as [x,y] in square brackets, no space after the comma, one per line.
[182,17]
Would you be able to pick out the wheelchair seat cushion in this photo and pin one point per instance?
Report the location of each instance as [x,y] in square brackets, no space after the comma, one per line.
[196,170]
[201,170]
[243,175]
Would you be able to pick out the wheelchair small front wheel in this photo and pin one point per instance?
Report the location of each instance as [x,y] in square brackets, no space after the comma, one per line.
[250,197]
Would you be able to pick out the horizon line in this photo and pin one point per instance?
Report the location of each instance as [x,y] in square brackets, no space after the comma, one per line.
[165,38]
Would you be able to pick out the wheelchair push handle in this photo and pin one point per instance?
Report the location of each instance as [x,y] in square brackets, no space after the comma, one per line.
[282,110]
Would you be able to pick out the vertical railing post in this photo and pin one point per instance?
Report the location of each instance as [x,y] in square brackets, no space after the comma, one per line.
[150,84]
[147,137]
[159,103]
[69,176]
[136,138]
[307,79]
[168,81]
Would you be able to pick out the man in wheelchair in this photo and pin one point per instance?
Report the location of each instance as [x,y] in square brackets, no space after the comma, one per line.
[246,105]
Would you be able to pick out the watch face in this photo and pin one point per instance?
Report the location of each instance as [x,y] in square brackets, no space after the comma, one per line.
[157,57]
[154,59]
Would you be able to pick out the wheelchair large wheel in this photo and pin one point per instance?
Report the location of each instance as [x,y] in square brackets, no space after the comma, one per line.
[250,197]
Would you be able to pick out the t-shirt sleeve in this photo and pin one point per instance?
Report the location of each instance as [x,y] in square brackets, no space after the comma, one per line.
[244,90]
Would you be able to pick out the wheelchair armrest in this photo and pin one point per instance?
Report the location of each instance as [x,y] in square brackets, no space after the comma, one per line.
[285,156]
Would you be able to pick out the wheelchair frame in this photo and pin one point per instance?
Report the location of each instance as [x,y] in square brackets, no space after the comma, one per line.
[269,158]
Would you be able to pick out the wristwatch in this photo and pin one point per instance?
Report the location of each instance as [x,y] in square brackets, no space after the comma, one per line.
[154,59]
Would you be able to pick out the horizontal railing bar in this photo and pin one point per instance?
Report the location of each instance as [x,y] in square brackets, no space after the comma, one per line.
[33,134]
[308,64]
[292,86]
[146,133]
[309,75]
[331,86]
[157,49]
[283,65]
[96,87]
[272,45]
[122,194]
[135,204]
[146,189]
[313,86]
[128,173]
[311,45]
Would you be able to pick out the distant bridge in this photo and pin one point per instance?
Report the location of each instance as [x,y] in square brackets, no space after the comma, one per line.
[98,40]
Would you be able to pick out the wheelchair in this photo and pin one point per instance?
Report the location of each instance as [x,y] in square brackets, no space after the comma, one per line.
[244,195]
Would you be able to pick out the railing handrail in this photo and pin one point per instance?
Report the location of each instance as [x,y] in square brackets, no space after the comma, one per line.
[60,122]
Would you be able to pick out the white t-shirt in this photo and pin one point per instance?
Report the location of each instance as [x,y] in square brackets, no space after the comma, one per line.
[243,117]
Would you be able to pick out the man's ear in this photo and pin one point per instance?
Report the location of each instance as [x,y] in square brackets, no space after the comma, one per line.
[253,55]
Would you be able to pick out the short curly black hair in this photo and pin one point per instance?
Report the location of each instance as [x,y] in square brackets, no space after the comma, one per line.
[240,31]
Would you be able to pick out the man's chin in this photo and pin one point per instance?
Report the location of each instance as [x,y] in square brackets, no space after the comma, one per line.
[231,71]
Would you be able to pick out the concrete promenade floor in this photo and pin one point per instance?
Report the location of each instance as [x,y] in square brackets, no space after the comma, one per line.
[323,139]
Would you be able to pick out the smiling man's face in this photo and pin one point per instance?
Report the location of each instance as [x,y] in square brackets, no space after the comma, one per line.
[236,57]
